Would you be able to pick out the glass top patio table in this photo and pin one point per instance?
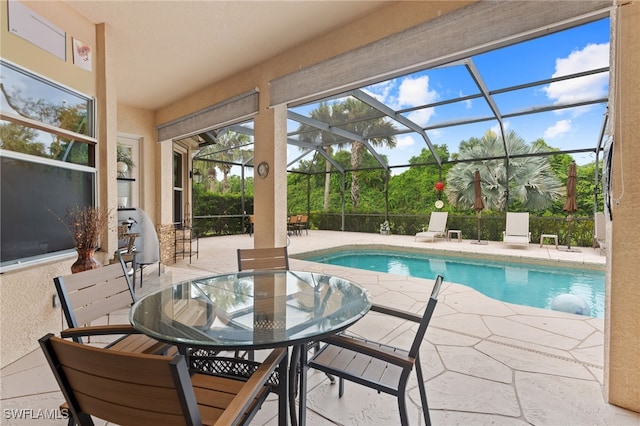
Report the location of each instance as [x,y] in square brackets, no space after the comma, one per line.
[250,310]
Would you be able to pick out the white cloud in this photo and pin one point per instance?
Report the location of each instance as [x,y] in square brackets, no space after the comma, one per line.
[435,134]
[557,130]
[578,89]
[467,104]
[415,91]
[421,116]
[381,91]
[405,141]
[496,129]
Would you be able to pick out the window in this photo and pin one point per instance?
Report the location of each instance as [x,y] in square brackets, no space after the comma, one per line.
[178,187]
[128,165]
[47,154]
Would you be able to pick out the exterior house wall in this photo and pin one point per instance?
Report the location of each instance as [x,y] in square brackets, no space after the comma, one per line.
[26,295]
[622,321]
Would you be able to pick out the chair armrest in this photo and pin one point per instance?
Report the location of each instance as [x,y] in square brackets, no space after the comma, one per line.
[372,349]
[241,402]
[99,330]
[395,313]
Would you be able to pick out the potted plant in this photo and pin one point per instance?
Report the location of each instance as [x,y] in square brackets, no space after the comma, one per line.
[85,225]
[384,228]
[124,161]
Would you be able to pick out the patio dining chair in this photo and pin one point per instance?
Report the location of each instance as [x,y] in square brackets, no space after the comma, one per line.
[378,366]
[263,258]
[303,224]
[95,294]
[142,389]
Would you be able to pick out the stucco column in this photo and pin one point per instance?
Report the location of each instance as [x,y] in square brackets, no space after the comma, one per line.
[107,135]
[270,192]
[622,320]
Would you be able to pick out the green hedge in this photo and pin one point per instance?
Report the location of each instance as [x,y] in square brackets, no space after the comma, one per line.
[223,214]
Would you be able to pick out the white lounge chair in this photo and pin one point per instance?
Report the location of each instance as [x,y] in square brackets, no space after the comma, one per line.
[600,233]
[517,229]
[437,227]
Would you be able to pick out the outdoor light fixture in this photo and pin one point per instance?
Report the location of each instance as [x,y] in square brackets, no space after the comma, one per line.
[196,175]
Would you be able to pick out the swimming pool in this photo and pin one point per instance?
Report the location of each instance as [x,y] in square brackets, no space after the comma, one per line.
[520,283]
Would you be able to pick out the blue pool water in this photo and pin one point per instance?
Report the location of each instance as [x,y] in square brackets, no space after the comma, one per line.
[519,283]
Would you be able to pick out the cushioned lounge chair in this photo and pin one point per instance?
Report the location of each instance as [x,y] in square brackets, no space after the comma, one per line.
[517,229]
[437,227]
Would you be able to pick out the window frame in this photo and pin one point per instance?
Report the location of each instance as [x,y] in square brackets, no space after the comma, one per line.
[88,139]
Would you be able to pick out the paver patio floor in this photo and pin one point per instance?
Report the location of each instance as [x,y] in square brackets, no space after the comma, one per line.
[485,361]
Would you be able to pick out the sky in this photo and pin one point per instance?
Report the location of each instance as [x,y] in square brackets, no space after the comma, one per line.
[578,49]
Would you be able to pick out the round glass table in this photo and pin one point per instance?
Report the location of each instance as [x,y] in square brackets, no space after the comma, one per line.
[252,310]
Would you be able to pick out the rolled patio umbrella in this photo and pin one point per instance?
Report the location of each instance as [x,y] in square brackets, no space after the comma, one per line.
[478,204]
[570,206]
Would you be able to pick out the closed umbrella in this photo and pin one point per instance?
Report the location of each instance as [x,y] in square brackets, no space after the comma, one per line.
[478,204]
[570,206]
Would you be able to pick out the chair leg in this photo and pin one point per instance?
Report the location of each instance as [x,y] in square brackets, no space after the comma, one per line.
[402,402]
[423,393]
[340,387]
[402,409]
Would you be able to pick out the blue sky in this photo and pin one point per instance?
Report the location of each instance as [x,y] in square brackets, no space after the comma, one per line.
[570,51]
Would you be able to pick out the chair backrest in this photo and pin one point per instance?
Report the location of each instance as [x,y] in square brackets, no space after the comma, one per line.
[438,221]
[122,387]
[263,258]
[599,233]
[426,317]
[89,295]
[517,224]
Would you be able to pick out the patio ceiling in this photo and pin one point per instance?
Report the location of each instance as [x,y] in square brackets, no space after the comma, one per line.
[495,105]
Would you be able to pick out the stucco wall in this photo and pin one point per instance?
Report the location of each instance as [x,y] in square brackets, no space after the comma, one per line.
[622,378]
[35,59]
[26,309]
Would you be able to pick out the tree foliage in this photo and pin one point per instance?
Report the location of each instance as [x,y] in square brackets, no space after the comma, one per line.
[526,178]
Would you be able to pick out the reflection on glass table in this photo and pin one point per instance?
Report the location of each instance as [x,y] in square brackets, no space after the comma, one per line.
[252,310]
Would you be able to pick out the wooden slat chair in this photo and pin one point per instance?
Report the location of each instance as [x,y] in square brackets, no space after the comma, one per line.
[143,389]
[292,225]
[303,224]
[90,295]
[263,258]
[377,366]
[271,258]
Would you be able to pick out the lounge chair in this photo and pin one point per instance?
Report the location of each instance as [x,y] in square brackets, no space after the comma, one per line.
[517,229]
[437,227]
[599,232]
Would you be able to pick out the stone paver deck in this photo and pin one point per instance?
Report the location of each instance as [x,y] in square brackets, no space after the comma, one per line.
[485,361]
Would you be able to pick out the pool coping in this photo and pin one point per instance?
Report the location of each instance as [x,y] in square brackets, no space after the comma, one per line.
[516,258]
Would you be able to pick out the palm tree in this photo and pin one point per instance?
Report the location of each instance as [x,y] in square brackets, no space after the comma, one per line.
[225,151]
[351,115]
[355,114]
[325,138]
[531,181]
